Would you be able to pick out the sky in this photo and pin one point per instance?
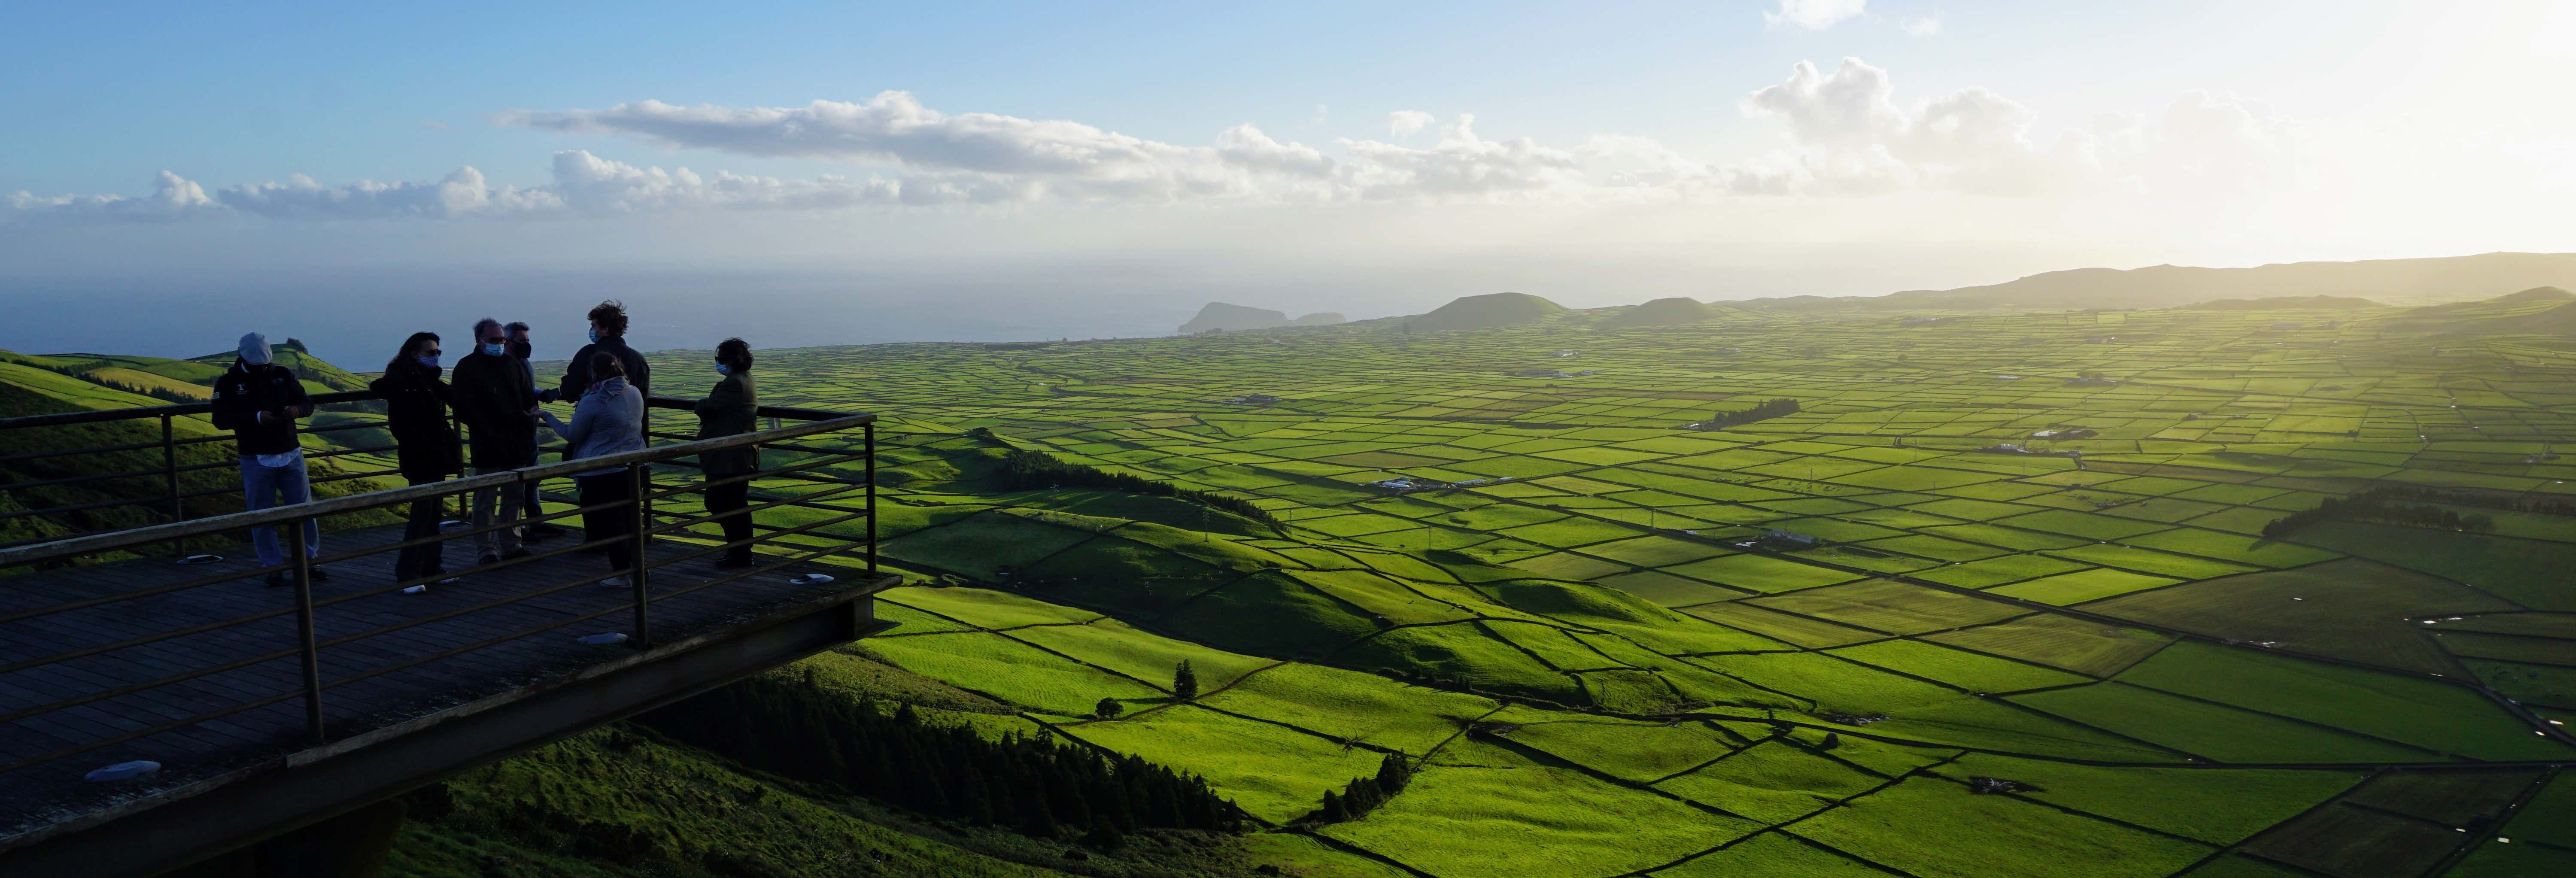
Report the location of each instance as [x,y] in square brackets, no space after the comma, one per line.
[850,173]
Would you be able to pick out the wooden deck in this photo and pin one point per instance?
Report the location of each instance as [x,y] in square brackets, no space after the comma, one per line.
[52,792]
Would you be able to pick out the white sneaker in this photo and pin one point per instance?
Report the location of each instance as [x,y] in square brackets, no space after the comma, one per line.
[614,582]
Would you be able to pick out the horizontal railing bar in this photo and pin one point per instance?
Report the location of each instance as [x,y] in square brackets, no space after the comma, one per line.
[131,688]
[700,487]
[710,518]
[55,510]
[460,611]
[74,480]
[720,580]
[87,544]
[155,411]
[103,449]
[486,642]
[208,716]
[41,661]
[799,530]
[478,568]
[321,399]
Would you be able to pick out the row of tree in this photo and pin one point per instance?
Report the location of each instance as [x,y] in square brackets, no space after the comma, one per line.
[1026,470]
[2379,506]
[2543,505]
[786,724]
[1762,411]
[1365,793]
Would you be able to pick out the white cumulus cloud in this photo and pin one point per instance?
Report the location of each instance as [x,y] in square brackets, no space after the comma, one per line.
[1843,133]
[1406,122]
[1848,135]
[1813,14]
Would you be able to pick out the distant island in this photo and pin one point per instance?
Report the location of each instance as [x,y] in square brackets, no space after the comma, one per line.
[1222,317]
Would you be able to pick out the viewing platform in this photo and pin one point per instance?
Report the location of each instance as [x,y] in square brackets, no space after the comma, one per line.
[270,708]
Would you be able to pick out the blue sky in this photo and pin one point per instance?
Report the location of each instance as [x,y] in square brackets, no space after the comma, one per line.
[1657,147]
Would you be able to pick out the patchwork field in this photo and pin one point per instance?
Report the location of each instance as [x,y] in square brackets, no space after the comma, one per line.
[1917,626]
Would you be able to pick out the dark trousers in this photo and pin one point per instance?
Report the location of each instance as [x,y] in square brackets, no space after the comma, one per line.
[726,498]
[614,521]
[528,504]
[424,559]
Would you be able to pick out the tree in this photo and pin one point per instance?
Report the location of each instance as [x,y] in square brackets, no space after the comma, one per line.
[1393,773]
[1185,682]
[1108,708]
[1333,810]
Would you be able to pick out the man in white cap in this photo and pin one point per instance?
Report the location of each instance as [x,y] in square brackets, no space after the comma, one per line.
[260,401]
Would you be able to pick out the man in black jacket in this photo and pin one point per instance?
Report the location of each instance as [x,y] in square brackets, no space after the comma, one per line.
[521,348]
[500,410]
[607,333]
[260,401]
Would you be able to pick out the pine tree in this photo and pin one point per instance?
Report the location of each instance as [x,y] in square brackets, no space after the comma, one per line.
[1333,810]
[1393,773]
[1108,708]
[1185,682]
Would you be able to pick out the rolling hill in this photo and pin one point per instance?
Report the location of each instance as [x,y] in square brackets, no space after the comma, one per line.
[2440,279]
[1660,312]
[1484,312]
[2287,303]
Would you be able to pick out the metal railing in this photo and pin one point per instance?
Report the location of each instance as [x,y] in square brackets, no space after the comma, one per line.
[829,483]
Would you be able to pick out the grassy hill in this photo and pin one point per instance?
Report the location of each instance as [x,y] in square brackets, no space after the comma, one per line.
[2288,303]
[1484,312]
[1584,635]
[33,385]
[2440,279]
[1898,630]
[1661,312]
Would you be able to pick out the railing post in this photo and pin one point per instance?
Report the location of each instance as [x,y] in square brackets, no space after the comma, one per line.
[639,481]
[870,428]
[170,472]
[303,567]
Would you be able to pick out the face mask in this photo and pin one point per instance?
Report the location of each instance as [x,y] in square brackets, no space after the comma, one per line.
[521,349]
[722,369]
[594,335]
[493,350]
[429,361]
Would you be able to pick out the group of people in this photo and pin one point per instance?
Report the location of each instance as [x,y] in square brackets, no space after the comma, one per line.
[492,390]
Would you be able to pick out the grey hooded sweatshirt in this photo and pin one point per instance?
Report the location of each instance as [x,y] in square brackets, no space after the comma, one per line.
[609,419]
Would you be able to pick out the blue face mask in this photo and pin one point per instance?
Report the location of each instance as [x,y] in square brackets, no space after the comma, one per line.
[428,361]
[494,350]
[594,335]
[722,369]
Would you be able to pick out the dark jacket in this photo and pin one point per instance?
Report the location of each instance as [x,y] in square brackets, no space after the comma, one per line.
[416,404]
[577,377]
[493,403]
[728,410]
[245,391]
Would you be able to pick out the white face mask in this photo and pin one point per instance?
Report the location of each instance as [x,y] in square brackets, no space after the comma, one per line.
[494,350]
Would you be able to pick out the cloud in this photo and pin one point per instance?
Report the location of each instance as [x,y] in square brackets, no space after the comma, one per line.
[1843,133]
[1847,135]
[1922,26]
[173,198]
[461,193]
[1813,14]
[1461,164]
